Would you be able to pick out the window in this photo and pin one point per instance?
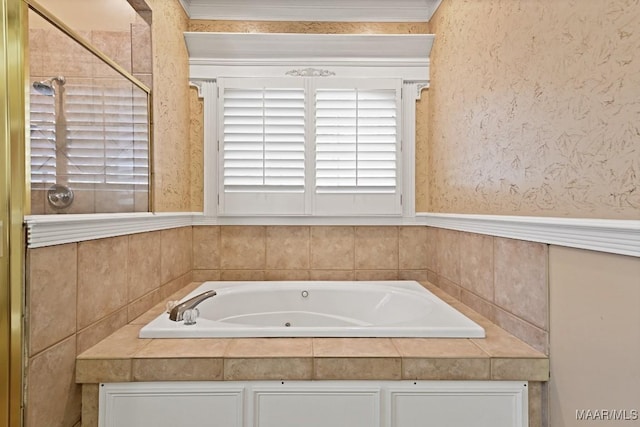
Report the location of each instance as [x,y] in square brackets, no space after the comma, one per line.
[309,125]
[308,146]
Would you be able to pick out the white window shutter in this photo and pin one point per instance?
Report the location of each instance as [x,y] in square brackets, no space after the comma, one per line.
[356,140]
[104,134]
[262,150]
[357,146]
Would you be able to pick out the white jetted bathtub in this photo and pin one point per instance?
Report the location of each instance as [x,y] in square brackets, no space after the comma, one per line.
[317,309]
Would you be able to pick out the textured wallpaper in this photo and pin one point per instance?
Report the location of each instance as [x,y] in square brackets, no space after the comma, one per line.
[172,180]
[535,108]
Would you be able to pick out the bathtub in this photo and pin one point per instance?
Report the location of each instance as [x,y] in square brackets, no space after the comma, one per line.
[318,309]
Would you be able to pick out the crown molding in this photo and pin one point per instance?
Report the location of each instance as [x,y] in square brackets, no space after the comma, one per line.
[312,10]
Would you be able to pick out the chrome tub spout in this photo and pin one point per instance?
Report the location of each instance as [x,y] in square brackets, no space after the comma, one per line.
[177,313]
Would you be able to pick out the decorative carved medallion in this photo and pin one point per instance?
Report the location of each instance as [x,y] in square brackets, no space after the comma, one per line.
[310,72]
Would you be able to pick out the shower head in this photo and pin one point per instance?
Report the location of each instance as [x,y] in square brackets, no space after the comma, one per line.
[46,87]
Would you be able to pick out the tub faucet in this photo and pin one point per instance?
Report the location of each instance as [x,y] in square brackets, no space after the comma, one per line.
[177,312]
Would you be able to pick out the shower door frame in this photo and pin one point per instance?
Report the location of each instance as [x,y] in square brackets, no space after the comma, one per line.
[12,207]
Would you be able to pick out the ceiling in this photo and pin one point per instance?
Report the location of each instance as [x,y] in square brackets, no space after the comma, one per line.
[312,10]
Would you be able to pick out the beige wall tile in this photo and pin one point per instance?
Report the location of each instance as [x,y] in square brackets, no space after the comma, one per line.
[138,307]
[175,255]
[331,275]
[444,347]
[332,248]
[90,401]
[446,369]
[357,368]
[287,248]
[52,277]
[534,336]
[498,343]
[413,248]
[144,264]
[101,329]
[286,275]
[206,247]
[102,278]
[206,275]
[184,348]
[366,275]
[122,343]
[243,248]
[376,248]
[417,275]
[520,369]
[478,304]
[53,397]
[141,59]
[535,405]
[431,249]
[449,287]
[107,201]
[103,370]
[176,286]
[242,275]
[521,285]
[116,45]
[448,254]
[182,369]
[354,347]
[476,264]
[270,347]
[286,368]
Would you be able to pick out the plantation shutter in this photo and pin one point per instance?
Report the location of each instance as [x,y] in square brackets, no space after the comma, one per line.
[43,140]
[262,146]
[357,146]
[104,135]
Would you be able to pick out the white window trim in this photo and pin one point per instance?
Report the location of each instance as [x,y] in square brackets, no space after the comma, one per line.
[215,55]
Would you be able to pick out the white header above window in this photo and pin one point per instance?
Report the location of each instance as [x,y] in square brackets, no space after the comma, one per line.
[404,56]
[312,10]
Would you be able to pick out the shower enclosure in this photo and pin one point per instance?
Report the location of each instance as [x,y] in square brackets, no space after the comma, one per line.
[89,117]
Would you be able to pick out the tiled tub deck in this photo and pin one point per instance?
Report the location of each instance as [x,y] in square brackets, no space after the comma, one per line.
[123,357]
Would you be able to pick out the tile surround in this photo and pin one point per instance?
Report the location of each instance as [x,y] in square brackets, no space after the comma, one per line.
[149,267]
[52,276]
[97,287]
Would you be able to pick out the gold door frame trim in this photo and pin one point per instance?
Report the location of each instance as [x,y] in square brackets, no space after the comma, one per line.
[12,192]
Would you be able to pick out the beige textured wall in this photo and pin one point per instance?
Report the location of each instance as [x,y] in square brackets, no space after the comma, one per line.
[595,338]
[534,108]
[172,162]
